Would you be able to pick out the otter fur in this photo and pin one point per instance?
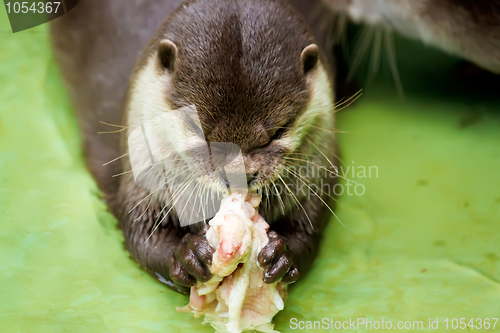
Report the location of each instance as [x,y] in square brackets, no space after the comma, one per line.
[258,77]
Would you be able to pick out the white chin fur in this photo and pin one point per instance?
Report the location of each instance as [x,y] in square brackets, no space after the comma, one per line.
[319,111]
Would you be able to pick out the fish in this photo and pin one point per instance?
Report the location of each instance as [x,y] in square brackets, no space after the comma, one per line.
[236,299]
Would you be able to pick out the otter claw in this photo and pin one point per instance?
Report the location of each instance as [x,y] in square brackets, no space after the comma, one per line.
[277,261]
[191,261]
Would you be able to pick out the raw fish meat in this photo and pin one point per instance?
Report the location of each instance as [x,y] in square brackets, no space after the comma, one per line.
[236,298]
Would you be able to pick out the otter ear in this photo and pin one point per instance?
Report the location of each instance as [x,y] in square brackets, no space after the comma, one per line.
[167,54]
[309,58]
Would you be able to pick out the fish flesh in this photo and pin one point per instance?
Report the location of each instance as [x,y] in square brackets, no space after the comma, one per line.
[236,298]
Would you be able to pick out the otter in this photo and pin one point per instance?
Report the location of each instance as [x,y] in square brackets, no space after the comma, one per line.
[258,77]
[466,28]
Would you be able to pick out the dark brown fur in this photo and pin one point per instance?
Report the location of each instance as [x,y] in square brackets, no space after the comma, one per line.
[485,13]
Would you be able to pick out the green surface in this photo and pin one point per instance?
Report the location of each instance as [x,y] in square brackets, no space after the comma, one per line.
[422,242]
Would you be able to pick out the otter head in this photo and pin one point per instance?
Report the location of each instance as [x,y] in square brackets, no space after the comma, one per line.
[248,84]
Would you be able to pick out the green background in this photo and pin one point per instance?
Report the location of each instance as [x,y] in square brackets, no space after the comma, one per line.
[422,242]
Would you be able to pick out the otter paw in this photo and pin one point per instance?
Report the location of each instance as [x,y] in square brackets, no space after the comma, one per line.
[277,261]
[191,261]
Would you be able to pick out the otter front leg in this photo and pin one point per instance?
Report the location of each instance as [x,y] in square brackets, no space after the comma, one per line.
[277,260]
[191,260]
[170,253]
[152,254]
[293,243]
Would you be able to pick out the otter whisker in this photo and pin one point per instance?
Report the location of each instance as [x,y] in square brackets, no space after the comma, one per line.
[122,173]
[201,190]
[322,167]
[116,159]
[296,200]
[174,195]
[196,188]
[334,131]
[196,205]
[375,57]
[161,185]
[264,195]
[131,171]
[307,166]
[317,127]
[325,23]
[331,27]
[213,199]
[335,155]
[125,172]
[157,224]
[150,194]
[321,129]
[189,198]
[268,199]
[145,210]
[360,50]
[120,126]
[282,204]
[391,57]
[340,28]
[300,154]
[297,175]
[209,193]
[110,132]
[164,175]
[178,173]
[340,101]
[205,201]
[348,100]
[324,203]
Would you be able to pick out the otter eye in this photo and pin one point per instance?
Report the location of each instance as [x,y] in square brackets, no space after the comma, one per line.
[279,133]
[281,130]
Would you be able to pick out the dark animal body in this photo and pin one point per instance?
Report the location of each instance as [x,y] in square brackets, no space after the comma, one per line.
[253,64]
[466,28]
